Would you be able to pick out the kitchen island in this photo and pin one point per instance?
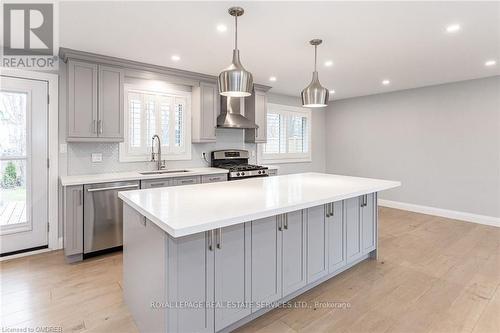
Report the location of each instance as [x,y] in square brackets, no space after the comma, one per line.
[211,257]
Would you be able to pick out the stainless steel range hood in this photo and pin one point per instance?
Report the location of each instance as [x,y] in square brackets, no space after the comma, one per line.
[230,114]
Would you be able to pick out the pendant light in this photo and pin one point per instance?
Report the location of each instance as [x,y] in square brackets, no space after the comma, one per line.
[315,95]
[235,81]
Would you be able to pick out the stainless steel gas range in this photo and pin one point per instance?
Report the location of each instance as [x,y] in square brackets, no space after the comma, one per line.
[236,161]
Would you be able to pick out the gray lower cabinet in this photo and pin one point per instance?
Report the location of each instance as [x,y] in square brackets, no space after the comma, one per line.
[266,261]
[214,178]
[232,274]
[317,242]
[153,183]
[73,220]
[336,237]
[368,222]
[353,229]
[185,181]
[190,283]
[293,254]
[273,172]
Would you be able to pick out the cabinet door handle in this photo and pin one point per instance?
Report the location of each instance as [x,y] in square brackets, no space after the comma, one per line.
[99,125]
[332,209]
[157,184]
[94,126]
[361,200]
[365,200]
[219,238]
[210,240]
[279,217]
[285,217]
[80,196]
[327,210]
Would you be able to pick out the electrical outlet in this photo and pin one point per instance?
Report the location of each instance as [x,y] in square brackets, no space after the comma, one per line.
[96,157]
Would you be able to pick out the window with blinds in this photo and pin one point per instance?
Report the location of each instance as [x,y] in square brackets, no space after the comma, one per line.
[148,113]
[288,134]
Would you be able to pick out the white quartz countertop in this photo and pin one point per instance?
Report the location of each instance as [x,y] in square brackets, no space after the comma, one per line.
[190,209]
[135,175]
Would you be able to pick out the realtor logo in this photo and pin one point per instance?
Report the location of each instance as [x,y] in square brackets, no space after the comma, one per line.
[28,29]
[28,36]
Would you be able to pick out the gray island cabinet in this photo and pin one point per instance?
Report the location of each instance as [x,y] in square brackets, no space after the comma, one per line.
[219,279]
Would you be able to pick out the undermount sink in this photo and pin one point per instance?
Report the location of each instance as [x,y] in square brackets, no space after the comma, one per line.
[159,172]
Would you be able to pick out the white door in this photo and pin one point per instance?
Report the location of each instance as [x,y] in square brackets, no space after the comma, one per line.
[23,164]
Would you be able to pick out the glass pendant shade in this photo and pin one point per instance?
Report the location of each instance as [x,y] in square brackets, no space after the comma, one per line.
[315,95]
[235,81]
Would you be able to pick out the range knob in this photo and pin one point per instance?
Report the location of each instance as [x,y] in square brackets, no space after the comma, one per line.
[237,174]
[260,172]
[242,173]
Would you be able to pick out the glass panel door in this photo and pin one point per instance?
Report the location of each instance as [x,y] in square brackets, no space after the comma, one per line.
[13,158]
[23,164]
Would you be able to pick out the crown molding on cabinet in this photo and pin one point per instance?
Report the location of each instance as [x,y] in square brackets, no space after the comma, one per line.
[66,53]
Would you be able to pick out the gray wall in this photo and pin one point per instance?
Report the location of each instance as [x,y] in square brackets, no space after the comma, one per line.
[442,142]
[318,163]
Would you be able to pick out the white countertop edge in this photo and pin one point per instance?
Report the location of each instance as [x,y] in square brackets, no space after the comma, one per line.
[250,217]
[135,175]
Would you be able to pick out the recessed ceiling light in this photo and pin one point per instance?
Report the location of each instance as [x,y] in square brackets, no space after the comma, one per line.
[453,28]
[490,63]
[175,57]
[272,78]
[221,28]
[328,63]
[332,91]
[386,82]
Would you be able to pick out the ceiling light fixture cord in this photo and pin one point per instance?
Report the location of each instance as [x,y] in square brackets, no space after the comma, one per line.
[315,56]
[236,32]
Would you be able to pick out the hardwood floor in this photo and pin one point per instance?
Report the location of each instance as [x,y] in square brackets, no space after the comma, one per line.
[433,275]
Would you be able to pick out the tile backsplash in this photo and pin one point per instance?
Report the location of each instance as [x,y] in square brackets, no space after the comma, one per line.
[79,160]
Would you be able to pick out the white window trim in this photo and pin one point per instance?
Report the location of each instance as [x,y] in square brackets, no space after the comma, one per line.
[289,157]
[169,156]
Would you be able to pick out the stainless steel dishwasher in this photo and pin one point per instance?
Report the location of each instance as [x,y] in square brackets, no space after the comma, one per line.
[103,215]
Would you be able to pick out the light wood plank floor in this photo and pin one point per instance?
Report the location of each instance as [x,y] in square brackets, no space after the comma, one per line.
[433,275]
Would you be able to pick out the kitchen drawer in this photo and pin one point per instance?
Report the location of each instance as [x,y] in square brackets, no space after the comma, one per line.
[186,180]
[214,178]
[153,183]
[273,172]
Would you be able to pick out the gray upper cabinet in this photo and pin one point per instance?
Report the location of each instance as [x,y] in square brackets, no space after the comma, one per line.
[232,274]
[368,224]
[205,109]
[256,110]
[294,258]
[95,102]
[336,236]
[266,261]
[191,279]
[353,229]
[317,243]
[82,100]
[110,111]
[73,220]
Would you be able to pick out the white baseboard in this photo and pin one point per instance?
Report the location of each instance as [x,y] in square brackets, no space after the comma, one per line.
[451,214]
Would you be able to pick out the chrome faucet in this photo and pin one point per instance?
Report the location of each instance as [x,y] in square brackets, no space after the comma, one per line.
[156,157]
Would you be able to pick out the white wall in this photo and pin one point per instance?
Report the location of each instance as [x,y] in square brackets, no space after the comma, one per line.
[442,142]
[318,162]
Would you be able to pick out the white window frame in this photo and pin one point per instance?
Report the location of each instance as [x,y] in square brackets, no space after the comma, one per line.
[167,154]
[289,157]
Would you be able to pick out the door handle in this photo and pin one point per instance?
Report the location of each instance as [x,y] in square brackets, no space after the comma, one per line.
[99,126]
[327,210]
[332,209]
[285,217]
[280,228]
[94,126]
[210,240]
[219,238]
[112,188]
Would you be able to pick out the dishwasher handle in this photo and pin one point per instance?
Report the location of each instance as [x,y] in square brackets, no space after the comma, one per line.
[112,188]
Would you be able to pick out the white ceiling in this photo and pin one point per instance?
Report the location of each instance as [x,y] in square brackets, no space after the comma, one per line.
[405,42]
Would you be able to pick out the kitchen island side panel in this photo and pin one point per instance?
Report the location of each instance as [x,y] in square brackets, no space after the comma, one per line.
[144,271]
